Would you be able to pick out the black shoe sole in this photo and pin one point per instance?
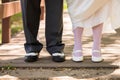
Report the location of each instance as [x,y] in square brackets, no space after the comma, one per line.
[31,58]
[58,58]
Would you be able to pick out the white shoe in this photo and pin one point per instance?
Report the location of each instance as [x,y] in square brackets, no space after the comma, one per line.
[97,59]
[77,58]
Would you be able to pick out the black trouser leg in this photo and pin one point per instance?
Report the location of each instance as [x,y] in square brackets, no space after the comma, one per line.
[31,17]
[54,25]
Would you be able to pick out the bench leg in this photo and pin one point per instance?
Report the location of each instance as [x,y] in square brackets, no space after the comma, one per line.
[6,32]
[42,13]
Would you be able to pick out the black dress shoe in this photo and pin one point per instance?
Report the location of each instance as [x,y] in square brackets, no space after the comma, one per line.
[58,57]
[31,57]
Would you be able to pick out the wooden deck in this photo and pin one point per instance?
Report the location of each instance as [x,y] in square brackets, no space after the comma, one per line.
[13,53]
[12,56]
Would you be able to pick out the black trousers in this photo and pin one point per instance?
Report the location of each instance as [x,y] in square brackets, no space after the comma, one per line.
[54,25]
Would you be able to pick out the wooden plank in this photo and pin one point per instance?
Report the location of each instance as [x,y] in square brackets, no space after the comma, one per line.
[9,9]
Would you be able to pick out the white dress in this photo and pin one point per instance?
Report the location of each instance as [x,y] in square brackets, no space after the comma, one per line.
[89,13]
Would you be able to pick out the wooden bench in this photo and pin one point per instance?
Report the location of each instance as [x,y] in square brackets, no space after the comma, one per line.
[8,9]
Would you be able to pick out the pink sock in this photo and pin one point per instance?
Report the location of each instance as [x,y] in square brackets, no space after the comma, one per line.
[77,40]
[97,34]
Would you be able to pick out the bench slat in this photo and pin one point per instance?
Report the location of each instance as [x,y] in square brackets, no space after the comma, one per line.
[9,9]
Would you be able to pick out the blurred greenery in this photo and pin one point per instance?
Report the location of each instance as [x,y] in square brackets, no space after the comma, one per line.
[65,5]
[16,23]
